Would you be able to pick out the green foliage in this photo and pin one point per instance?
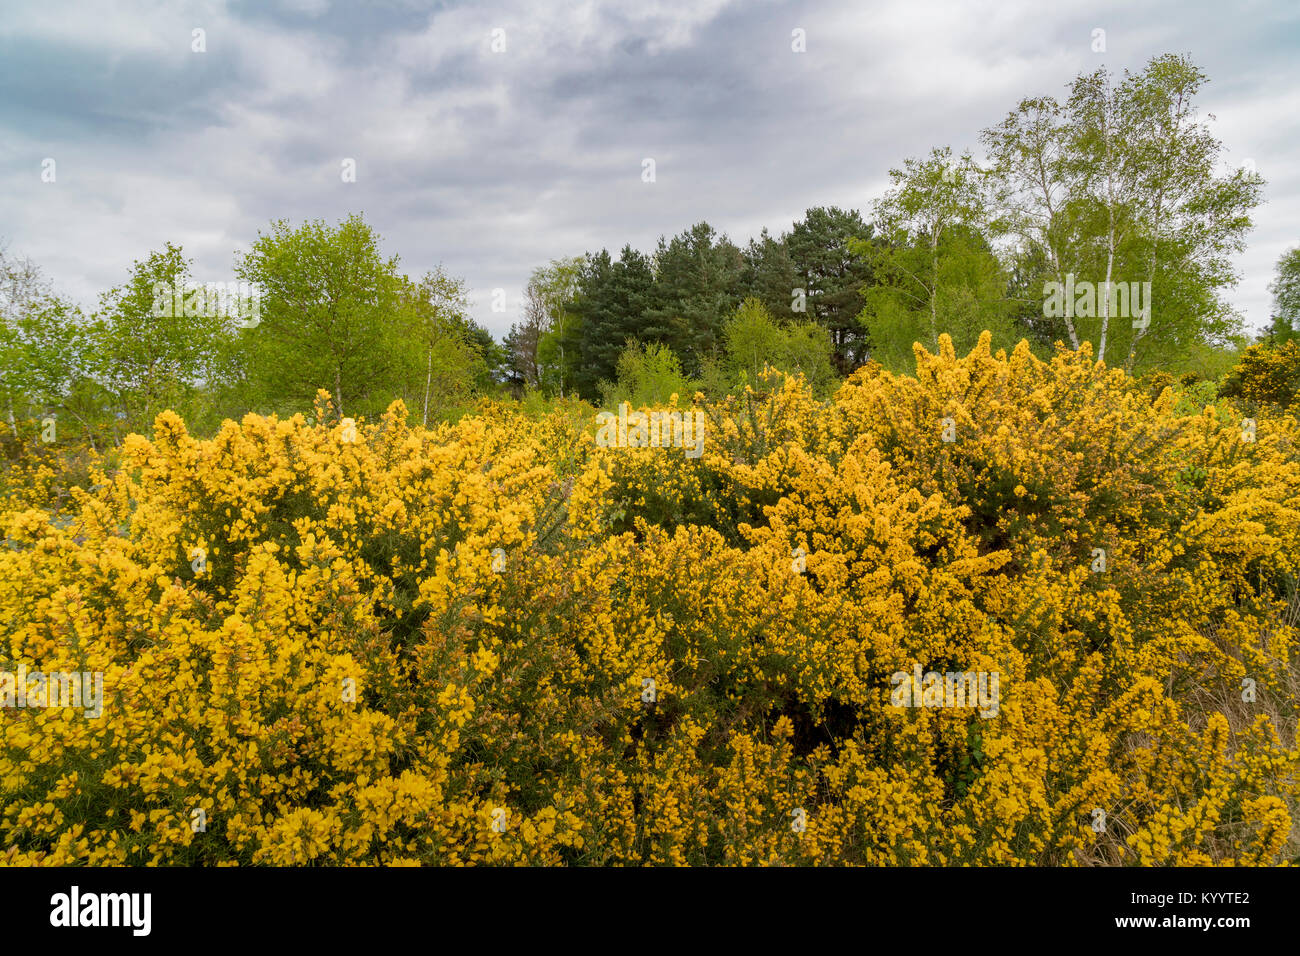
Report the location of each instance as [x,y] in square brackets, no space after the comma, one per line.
[755,341]
[327,296]
[821,247]
[697,285]
[685,293]
[1193,397]
[772,277]
[42,349]
[809,351]
[1119,184]
[153,345]
[333,313]
[1286,297]
[936,272]
[548,300]
[441,363]
[1211,362]
[613,298]
[647,375]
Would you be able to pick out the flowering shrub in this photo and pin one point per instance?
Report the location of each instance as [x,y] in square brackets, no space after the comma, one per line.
[499,642]
[1266,375]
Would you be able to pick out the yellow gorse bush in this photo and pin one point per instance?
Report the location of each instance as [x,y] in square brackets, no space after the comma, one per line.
[498,642]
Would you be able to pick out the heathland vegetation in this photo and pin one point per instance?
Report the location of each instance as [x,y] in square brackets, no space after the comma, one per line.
[965,529]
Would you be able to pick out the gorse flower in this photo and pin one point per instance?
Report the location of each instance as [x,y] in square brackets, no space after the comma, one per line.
[432,646]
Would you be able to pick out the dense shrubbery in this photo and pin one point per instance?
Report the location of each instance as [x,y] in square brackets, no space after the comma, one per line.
[1267,375]
[513,680]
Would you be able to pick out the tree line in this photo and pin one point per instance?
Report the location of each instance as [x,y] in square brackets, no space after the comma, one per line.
[1117,187]
[331,312]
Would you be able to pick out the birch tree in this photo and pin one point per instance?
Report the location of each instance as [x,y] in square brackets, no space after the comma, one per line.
[435,310]
[935,271]
[1124,182]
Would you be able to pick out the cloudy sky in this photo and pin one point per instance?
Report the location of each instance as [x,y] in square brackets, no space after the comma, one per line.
[491,163]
